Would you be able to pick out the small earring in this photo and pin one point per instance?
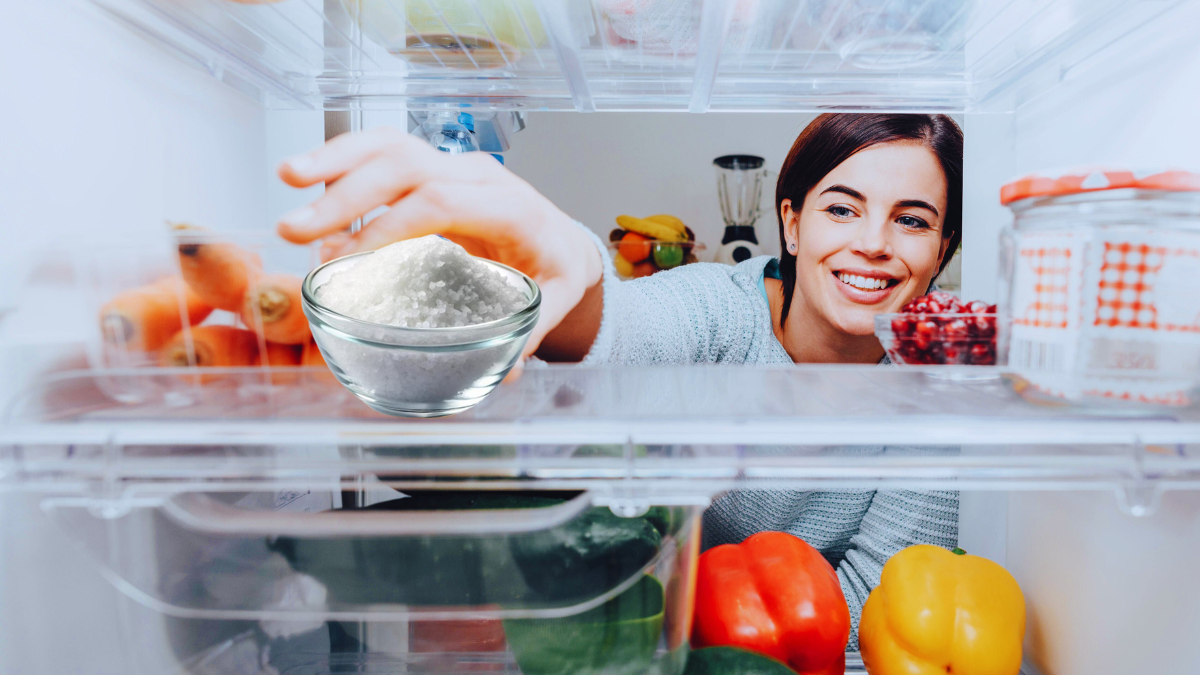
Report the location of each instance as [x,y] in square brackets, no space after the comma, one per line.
[792,248]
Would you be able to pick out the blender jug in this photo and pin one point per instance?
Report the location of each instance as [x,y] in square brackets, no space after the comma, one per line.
[739,190]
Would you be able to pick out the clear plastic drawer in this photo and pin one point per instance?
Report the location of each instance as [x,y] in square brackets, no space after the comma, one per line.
[377,580]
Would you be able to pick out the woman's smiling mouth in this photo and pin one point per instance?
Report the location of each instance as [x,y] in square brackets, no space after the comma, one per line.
[866,287]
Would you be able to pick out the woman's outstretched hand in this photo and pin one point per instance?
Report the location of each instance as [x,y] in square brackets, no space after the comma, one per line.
[470,199]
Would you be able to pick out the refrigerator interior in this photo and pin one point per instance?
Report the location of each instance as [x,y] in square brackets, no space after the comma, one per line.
[141,111]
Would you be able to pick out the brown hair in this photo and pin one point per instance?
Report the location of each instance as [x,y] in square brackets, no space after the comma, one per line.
[833,137]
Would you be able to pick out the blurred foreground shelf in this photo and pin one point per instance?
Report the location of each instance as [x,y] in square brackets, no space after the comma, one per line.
[686,430]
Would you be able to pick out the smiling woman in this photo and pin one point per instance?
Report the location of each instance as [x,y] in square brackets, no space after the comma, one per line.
[868,206]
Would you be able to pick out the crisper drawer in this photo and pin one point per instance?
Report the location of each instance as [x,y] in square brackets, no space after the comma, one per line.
[431,580]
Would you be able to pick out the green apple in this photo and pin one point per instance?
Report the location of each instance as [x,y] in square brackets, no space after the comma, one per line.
[668,256]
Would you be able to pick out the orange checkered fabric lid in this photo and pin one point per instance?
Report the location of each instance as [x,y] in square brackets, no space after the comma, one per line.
[1075,181]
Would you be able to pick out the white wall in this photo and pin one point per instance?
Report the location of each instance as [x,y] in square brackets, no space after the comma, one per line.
[599,166]
[1107,592]
[103,136]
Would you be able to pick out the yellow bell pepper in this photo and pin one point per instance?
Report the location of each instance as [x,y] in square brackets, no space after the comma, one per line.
[937,612]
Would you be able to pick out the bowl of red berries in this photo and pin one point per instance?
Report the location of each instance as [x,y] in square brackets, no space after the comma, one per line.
[940,329]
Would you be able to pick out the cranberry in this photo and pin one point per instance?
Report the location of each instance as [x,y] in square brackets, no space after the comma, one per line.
[935,354]
[983,326]
[917,358]
[979,307]
[954,352]
[946,302]
[982,354]
[956,329]
[927,328]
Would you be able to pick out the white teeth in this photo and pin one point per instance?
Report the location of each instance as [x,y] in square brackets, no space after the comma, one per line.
[863,283]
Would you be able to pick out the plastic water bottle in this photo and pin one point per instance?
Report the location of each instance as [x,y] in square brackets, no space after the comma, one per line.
[450,132]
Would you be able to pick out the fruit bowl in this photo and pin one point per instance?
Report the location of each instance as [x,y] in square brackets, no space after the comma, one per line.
[663,255]
[939,329]
[938,339]
[642,246]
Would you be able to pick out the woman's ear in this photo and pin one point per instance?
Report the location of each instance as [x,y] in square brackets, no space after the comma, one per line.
[791,226]
[942,254]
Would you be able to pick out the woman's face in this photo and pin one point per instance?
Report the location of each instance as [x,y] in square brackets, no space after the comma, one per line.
[868,237]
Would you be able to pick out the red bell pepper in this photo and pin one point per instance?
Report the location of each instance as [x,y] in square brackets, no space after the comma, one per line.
[775,595]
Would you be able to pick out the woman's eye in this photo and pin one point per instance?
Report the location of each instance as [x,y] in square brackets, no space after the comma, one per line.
[839,211]
[913,222]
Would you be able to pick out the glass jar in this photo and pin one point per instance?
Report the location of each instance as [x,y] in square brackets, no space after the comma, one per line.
[1101,286]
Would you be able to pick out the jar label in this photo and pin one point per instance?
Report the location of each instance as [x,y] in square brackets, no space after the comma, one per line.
[1046,291]
[1108,312]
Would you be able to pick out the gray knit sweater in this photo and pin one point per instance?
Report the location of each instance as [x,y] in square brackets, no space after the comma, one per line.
[708,313]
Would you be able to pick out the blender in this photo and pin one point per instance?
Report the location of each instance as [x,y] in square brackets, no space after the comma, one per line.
[739,189]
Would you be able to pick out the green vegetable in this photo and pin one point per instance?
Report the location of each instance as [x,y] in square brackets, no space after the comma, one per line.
[733,661]
[587,556]
[422,570]
[668,256]
[619,637]
[571,563]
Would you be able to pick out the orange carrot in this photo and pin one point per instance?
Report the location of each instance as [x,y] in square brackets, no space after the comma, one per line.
[311,358]
[215,346]
[219,272]
[143,319]
[279,355]
[272,308]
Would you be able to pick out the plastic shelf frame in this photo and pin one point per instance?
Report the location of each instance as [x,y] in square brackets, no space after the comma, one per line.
[679,434]
[677,55]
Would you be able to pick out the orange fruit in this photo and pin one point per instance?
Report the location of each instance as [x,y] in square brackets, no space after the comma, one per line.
[634,247]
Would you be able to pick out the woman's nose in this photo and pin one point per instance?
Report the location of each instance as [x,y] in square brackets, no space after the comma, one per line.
[871,240]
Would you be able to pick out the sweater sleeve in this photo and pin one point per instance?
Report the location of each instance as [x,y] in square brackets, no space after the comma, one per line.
[896,519]
[690,314]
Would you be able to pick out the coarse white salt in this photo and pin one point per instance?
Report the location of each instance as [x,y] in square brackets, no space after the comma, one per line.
[428,282]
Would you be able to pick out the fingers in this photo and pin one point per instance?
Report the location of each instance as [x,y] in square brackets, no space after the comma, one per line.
[389,169]
[411,217]
[341,154]
[332,244]
[378,182]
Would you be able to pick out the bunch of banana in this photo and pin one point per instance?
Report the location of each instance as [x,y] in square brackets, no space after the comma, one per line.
[661,227]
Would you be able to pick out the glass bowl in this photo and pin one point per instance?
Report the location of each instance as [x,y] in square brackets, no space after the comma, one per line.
[962,339]
[418,372]
[673,253]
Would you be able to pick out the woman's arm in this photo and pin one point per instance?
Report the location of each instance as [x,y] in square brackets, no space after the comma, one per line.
[470,199]
[572,338]
[691,314]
